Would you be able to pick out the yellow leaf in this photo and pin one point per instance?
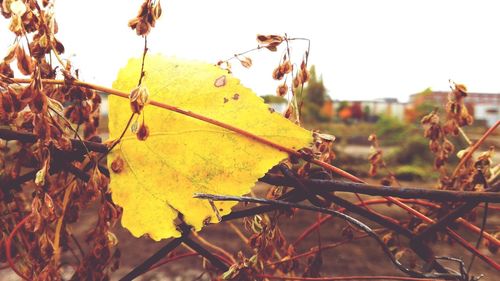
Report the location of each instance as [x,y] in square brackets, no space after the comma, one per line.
[183,155]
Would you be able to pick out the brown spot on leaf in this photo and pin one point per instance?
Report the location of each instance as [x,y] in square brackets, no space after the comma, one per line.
[271,109]
[220,82]
[226,100]
[236,96]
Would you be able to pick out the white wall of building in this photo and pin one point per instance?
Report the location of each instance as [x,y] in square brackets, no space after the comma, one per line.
[488,112]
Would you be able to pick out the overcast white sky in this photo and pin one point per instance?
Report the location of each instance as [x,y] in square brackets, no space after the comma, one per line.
[364,49]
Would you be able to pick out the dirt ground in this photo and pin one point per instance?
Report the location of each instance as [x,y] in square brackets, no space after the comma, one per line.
[362,257]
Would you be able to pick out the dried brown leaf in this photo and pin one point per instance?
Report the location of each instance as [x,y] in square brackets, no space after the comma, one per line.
[24,62]
[246,62]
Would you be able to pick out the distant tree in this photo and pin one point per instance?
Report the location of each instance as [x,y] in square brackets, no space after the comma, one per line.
[366,112]
[343,104]
[419,107]
[313,97]
[274,99]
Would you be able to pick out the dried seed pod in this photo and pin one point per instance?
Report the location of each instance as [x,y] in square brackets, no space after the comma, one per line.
[245,62]
[288,112]
[271,48]
[139,97]
[297,80]
[286,67]
[11,53]
[143,132]
[305,75]
[146,18]
[282,90]
[48,210]
[40,177]
[277,74]
[156,10]
[39,103]
[24,62]
[58,46]
[6,70]
[269,39]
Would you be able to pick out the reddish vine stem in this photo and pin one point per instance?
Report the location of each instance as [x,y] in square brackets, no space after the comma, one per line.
[452,233]
[8,245]
[171,259]
[263,140]
[317,249]
[202,118]
[473,148]
[312,227]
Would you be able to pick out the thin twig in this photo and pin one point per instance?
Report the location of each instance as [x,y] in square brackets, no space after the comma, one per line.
[206,254]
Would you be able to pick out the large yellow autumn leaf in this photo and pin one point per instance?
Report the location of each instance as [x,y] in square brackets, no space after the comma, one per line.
[183,155]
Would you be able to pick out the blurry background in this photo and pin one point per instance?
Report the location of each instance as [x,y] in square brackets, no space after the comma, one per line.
[377,67]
